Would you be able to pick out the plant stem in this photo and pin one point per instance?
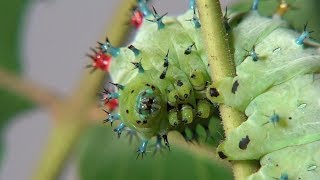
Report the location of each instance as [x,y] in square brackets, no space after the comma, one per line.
[40,95]
[222,65]
[74,112]
[36,94]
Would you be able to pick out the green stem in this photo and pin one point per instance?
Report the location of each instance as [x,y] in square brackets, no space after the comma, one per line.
[222,65]
[73,113]
[28,89]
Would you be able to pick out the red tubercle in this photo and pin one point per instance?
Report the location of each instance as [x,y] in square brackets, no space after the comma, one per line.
[100,60]
[112,104]
[137,19]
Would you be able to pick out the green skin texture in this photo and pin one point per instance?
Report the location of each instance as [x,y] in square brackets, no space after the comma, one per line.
[177,35]
[283,81]
[297,161]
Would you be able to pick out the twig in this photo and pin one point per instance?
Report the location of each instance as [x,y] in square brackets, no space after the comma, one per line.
[35,93]
[39,95]
[222,65]
[74,112]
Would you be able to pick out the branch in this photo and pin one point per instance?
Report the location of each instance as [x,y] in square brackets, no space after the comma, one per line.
[39,95]
[74,112]
[36,94]
[222,65]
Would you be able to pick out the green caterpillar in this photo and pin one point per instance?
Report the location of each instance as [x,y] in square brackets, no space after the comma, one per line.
[164,84]
[162,77]
[277,86]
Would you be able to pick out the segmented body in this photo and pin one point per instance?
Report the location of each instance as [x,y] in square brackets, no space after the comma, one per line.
[164,73]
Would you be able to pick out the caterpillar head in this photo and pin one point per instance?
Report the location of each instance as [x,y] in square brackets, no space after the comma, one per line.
[142,106]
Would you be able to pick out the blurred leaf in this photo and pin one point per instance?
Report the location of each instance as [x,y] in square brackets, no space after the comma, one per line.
[103,156]
[11,13]
[303,11]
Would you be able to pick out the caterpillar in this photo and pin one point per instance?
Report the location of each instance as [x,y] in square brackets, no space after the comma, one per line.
[277,86]
[164,84]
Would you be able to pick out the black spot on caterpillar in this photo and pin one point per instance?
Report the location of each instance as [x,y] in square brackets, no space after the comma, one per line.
[221,155]
[235,87]
[244,142]
[214,92]
[179,83]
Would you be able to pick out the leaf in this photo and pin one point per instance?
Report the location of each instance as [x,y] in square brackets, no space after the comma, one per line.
[103,156]
[10,15]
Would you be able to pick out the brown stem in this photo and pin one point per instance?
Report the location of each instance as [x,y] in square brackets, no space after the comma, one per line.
[35,93]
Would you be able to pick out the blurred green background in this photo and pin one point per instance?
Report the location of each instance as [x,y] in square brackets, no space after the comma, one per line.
[99,154]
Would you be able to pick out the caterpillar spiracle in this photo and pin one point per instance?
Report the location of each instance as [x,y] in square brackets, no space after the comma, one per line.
[164,84]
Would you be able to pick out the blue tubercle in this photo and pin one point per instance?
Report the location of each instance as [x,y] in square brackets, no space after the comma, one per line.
[192,4]
[274,118]
[195,20]
[142,149]
[119,86]
[108,48]
[284,176]
[143,7]
[305,34]
[255,5]
[111,117]
[134,50]
[138,65]
[113,95]
[157,19]
[106,95]
[189,49]
[119,129]
[252,53]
